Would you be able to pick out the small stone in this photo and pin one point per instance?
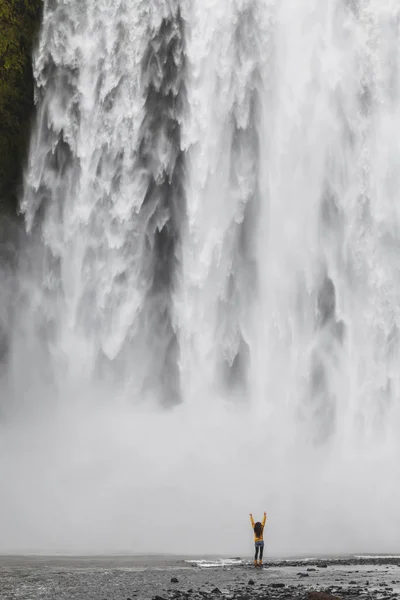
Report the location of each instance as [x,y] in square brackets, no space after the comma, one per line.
[251,582]
[311,569]
[174,580]
[278,585]
[216,591]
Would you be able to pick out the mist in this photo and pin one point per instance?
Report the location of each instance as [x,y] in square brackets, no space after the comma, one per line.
[98,480]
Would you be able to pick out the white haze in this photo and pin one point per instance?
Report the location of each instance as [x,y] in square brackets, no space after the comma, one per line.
[291,133]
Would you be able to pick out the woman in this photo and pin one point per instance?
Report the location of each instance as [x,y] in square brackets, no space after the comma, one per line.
[258,529]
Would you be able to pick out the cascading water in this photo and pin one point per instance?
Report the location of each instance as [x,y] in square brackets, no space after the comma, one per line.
[207,313]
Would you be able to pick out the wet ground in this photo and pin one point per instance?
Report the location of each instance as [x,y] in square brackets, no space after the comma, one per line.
[146,578]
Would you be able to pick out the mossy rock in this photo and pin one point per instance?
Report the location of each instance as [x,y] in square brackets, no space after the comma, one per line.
[19,25]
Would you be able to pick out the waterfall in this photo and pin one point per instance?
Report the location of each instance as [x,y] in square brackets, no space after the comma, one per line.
[206,311]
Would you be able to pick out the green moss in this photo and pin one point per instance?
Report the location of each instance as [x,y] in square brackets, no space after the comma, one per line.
[19,23]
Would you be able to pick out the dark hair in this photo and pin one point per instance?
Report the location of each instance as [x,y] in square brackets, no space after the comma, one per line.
[258,528]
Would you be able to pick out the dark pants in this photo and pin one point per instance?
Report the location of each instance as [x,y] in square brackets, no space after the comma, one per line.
[259,548]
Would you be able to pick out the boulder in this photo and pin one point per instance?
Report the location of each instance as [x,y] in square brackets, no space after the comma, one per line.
[321,596]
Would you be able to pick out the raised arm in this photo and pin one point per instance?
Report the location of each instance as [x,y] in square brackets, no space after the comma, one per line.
[264,519]
[252,520]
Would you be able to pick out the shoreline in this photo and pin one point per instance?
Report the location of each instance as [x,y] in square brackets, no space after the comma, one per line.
[206,561]
[151,578]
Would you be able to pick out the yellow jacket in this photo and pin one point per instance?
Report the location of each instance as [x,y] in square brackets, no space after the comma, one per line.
[260,537]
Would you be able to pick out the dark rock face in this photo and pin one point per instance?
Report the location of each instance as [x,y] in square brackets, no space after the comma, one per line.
[19,22]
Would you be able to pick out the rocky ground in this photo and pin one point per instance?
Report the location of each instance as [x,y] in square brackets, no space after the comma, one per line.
[174,579]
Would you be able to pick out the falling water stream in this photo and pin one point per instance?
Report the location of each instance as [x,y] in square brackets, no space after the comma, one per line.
[206,310]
